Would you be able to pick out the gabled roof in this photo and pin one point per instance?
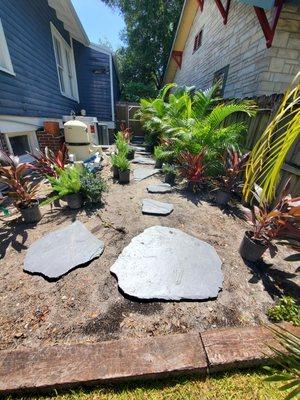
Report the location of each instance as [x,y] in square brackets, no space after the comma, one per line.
[66,13]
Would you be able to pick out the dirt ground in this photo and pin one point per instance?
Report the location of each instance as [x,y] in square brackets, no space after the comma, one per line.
[85,305]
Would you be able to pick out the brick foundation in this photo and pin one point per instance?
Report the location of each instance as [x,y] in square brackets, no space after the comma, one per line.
[52,141]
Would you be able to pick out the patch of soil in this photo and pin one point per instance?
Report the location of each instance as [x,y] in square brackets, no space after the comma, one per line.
[86,305]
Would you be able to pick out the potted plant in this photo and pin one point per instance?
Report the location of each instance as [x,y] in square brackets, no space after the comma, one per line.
[124,169]
[192,168]
[230,182]
[130,154]
[92,186]
[22,189]
[170,172]
[280,223]
[114,166]
[46,163]
[66,186]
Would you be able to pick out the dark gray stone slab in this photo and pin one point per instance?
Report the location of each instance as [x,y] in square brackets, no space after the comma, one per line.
[143,160]
[166,263]
[60,251]
[142,173]
[155,207]
[160,188]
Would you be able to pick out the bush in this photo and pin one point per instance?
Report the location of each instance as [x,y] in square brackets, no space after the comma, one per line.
[121,144]
[92,186]
[122,162]
[286,310]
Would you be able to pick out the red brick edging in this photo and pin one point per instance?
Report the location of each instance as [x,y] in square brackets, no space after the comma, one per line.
[81,364]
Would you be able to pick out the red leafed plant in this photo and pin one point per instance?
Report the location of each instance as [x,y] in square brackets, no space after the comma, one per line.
[126,132]
[48,163]
[22,190]
[234,164]
[192,167]
[281,223]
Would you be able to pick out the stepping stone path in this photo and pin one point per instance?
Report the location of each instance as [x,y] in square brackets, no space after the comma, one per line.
[142,173]
[60,251]
[160,188]
[155,207]
[143,160]
[166,263]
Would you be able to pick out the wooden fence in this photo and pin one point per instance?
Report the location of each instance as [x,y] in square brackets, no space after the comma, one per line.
[267,106]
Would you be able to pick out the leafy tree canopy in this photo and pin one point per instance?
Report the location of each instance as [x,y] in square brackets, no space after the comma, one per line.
[148,37]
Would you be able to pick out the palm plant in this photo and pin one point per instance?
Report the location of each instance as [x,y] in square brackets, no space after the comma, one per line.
[288,358]
[269,153]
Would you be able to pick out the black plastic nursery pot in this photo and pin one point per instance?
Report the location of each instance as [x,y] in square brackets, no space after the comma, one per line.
[124,176]
[130,154]
[251,250]
[115,171]
[222,198]
[74,200]
[158,164]
[170,178]
[31,213]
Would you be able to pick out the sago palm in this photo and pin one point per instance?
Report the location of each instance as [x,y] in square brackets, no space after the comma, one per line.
[270,152]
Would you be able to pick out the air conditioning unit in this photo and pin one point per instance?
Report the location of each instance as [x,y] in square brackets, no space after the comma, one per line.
[103,135]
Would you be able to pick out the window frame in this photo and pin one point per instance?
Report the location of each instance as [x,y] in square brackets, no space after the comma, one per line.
[8,68]
[65,65]
[198,41]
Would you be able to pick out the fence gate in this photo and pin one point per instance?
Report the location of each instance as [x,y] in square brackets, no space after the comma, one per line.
[125,113]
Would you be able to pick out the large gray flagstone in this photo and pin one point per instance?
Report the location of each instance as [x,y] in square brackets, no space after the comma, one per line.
[142,173]
[160,188]
[143,160]
[155,207]
[166,263]
[62,250]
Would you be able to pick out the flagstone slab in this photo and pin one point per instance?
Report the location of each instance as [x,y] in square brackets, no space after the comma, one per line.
[142,173]
[160,188]
[166,263]
[143,160]
[60,251]
[155,207]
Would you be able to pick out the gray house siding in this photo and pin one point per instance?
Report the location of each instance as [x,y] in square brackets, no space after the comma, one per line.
[34,90]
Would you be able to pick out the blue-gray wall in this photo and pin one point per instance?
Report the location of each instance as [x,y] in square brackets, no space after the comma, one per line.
[93,77]
[34,91]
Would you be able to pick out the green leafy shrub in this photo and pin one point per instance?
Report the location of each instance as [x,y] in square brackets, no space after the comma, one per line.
[92,186]
[121,144]
[66,182]
[122,162]
[169,169]
[286,310]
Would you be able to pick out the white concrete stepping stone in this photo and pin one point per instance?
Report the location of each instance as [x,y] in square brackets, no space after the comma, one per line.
[155,207]
[60,251]
[166,263]
[142,173]
[160,188]
[143,160]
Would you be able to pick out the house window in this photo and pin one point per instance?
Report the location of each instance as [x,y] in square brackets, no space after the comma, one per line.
[19,145]
[220,78]
[5,61]
[65,64]
[197,41]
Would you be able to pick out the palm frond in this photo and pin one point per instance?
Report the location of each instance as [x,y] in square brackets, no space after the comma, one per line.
[270,152]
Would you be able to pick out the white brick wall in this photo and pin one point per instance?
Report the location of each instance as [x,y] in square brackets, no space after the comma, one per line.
[254,70]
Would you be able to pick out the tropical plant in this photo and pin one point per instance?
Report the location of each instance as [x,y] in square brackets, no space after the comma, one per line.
[287,357]
[162,155]
[126,132]
[234,164]
[280,222]
[192,167]
[169,169]
[67,182]
[47,162]
[22,189]
[92,186]
[187,121]
[287,309]
[122,163]
[269,153]
[121,144]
